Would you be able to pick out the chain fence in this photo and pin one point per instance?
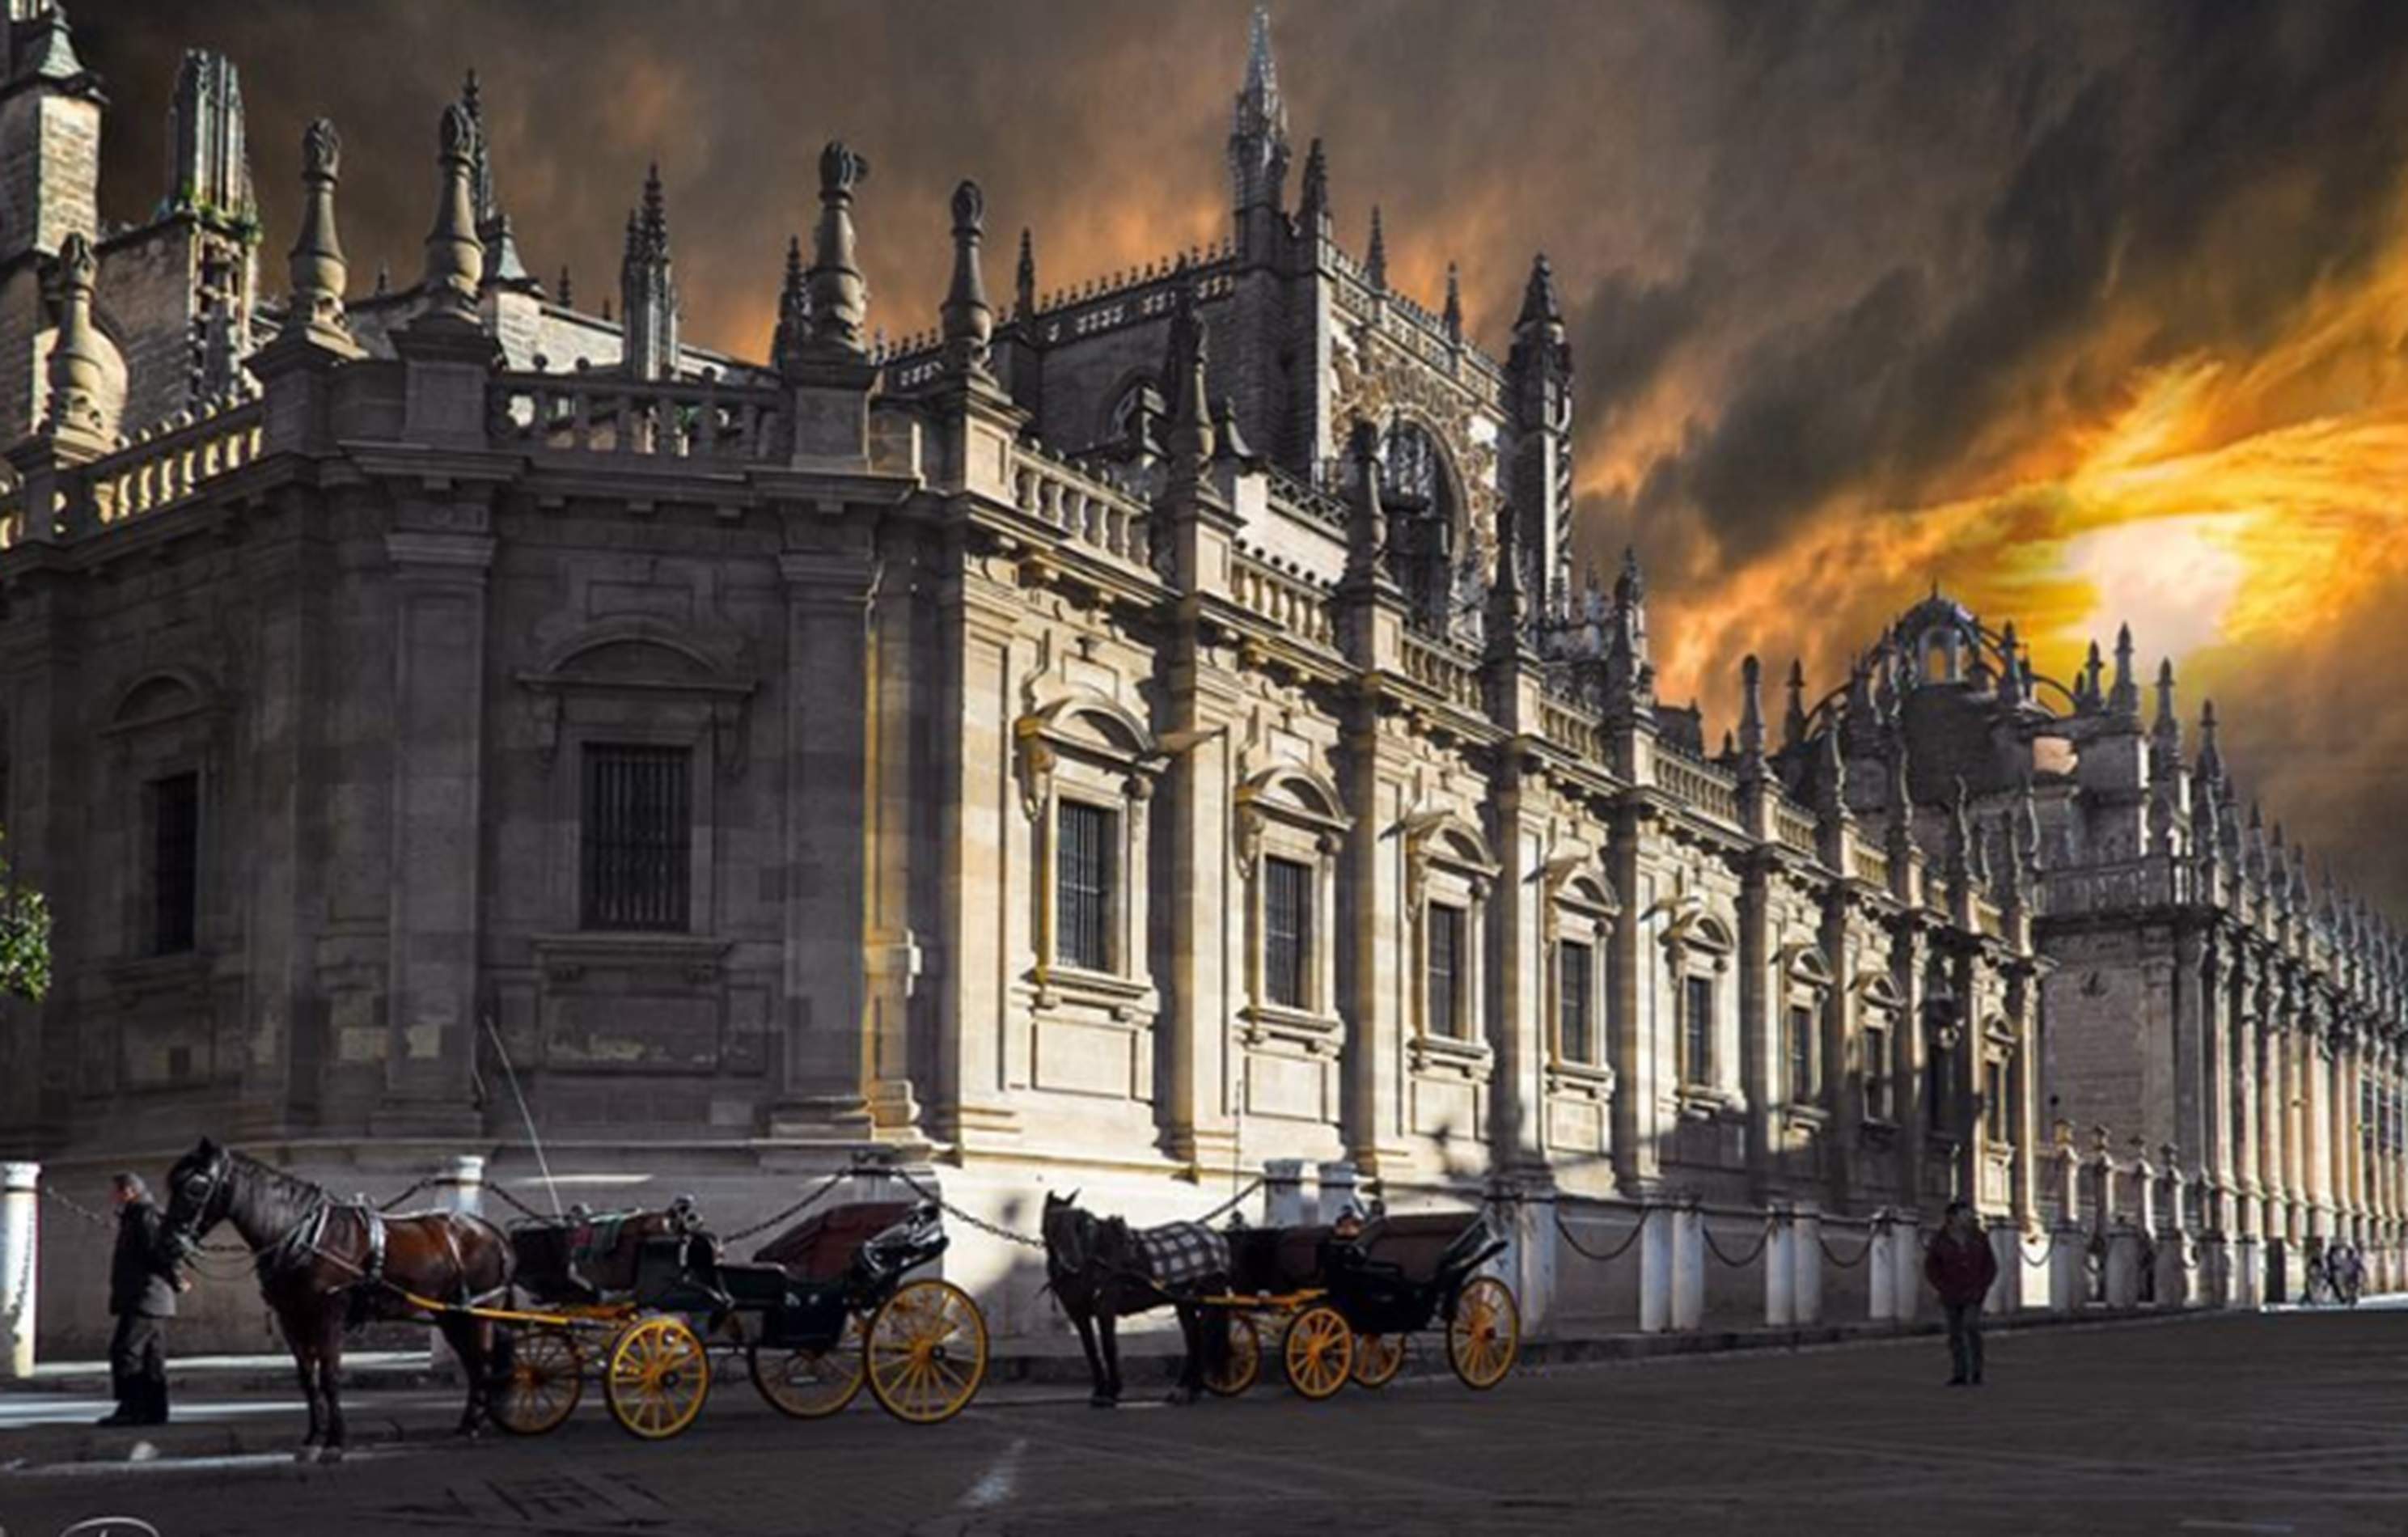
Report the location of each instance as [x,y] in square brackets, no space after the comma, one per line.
[1763,1237]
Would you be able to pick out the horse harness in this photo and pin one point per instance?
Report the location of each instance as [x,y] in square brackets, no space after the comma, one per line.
[305,1240]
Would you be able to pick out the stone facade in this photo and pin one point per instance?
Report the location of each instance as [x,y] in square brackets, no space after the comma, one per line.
[1116,741]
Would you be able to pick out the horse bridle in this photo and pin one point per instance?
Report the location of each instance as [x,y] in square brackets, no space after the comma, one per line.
[188,1236]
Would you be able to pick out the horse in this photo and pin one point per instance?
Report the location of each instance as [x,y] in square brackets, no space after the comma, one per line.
[1102,1272]
[325,1265]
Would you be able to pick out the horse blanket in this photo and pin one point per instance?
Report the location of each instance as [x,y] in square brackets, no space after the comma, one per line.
[1179,1254]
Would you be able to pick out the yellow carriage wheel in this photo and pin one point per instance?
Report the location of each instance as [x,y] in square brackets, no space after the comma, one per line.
[810,1384]
[1319,1352]
[926,1352]
[1241,1363]
[1378,1358]
[1485,1333]
[659,1377]
[546,1378]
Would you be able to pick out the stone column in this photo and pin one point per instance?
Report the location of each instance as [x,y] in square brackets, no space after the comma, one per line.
[2241,1043]
[464,1184]
[1880,1270]
[1533,1258]
[1906,1252]
[438,733]
[824,1064]
[2068,1256]
[1379,965]
[21,1236]
[1638,1008]
[2123,1243]
[1518,808]
[1688,1267]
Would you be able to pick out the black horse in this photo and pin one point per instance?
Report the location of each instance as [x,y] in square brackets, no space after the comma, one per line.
[1102,1272]
[325,1265]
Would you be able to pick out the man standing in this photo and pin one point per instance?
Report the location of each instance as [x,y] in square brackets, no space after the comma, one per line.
[142,1287]
[1961,1267]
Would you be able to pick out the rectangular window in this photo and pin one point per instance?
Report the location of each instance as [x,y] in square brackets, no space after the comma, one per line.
[1994,1101]
[1877,1105]
[1287,933]
[175,863]
[1087,863]
[1801,1055]
[1697,1030]
[637,838]
[1445,970]
[1575,1027]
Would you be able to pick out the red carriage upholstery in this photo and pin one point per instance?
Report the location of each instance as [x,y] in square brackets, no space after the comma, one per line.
[820,1247]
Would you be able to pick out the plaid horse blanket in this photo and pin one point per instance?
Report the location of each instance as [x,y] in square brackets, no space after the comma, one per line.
[1179,1254]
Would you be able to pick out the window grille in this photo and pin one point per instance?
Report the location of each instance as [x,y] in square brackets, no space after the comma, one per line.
[1287,933]
[638,838]
[1575,1018]
[1801,1055]
[1445,970]
[1087,863]
[1697,1030]
[175,863]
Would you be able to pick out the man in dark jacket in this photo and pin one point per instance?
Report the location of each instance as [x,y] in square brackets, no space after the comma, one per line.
[142,1287]
[1961,1267]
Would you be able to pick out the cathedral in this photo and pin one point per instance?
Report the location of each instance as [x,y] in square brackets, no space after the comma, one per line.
[1131,734]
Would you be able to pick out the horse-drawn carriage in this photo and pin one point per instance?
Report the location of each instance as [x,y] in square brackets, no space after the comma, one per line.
[1343,1304]
[822,1310]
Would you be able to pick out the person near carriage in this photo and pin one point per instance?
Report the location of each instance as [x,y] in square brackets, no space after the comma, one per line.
[1963,1266]
[143,1282]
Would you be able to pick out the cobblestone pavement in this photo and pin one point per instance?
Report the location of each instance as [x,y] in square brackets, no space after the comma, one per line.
[2259,1424]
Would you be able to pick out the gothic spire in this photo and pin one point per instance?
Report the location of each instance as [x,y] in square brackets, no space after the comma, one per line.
[648,299]
[2125,698]
[211,171]
[1540,307]
[793,307]
[2211,761]
[1258,125]
[480,159]
[1793,719]
[317,270]
[1312,209]
[502,261]
[2166,731]
[1507,611]
[455,258]
[1023,278]
[1375,266]
[2088,695]
[969,324]
[1629,675]
[840,298]
[1454,306]
[1751,709]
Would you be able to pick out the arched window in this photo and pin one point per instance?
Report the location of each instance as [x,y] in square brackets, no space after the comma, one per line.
[1417,493]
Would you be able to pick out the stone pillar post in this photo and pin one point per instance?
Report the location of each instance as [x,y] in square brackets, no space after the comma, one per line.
[2124,1244]
[1336,1188]
[2248,1286]
[2007,1246]
[2068,1255]
[1906,1252]
[1655,1244]
[21,1233]
[1688,1268]
[1806,1265]
[1283,1192]
[1534,1257]
[1880,1270]
[465,1183]
[1780,1270]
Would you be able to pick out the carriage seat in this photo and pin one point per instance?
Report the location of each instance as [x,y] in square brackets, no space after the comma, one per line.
[821,1247]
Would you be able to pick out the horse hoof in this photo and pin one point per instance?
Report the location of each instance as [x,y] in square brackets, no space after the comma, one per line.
[305,1454]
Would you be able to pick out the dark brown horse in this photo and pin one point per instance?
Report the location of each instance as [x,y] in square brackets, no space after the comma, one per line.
[325,1265]
[1103,1270]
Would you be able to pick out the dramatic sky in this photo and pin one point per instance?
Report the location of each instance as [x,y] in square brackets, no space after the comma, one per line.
[2089,312]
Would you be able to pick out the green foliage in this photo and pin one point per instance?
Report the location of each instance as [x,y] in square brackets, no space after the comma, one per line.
[24,939]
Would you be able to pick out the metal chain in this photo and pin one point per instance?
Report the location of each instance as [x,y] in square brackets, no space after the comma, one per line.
[97,1219]
[524,1208]
[797,1207]
[25,1278]
[1564,1232]
[1232,1202]
[1862,1254]
[1748,1259]
[413,1189]
[952,1210]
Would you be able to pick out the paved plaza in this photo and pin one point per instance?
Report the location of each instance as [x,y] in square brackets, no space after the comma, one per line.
[2275,1423]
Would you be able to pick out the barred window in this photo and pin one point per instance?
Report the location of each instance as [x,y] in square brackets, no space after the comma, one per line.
[175,863]
[637,838]
[1085,865]
[1802,1085]
[1575,1018]
[1877,1100]
[1446,965]
[1697,1030]
[1287,933]
[1994,1101]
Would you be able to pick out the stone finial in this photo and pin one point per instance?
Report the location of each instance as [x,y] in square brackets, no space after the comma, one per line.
[648,312]
[1191,419]
[318,272]
[1508,599]
[1368,534]
[2090,694]
[75,367]
[1313,207]
[840,297]
[454,256]
[1750,707]
[1793,719]
[969,324]
[49,54]
[2211,760]
[2011,676]
[1375,266]
[1229,441]
[1023,281]
[2126,697]
[1831,784]
[793,307]
[1454,306]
